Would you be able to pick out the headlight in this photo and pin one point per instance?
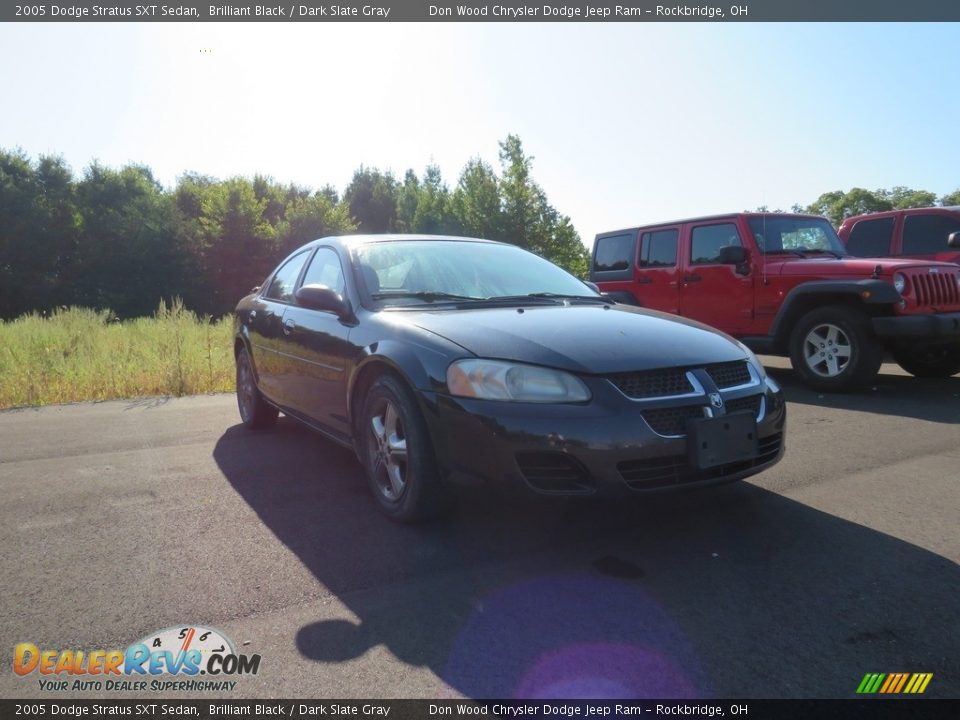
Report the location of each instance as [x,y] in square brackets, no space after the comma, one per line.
[753,360]
[499,380]
[899,282]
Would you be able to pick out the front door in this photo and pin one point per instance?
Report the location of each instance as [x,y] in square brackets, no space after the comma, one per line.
[711,292]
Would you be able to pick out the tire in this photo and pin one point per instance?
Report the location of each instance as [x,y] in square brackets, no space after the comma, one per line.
[397,453]
[939,362]
[820,334]
[256,413]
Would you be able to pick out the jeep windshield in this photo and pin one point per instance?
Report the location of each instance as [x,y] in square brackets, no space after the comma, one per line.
[802,236]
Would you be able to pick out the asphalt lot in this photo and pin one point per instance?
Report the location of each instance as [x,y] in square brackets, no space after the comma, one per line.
[122,518]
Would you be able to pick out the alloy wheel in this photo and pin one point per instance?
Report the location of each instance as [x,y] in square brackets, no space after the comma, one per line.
[389,450]
[827,350]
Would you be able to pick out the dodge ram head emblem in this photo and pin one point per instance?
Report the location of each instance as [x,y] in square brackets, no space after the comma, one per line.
[716,401]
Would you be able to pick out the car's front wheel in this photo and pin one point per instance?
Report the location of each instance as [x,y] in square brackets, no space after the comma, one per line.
[397,453]
[929,362]
[833,349]
[255,412]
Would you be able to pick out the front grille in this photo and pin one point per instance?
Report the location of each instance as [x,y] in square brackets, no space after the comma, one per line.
[752,403]
[553,472]
[729,374]
[653,383]
[659,473]
[672,421]
[935,289]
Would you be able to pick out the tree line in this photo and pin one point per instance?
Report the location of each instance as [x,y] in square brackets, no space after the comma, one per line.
[838,205]
[117,239]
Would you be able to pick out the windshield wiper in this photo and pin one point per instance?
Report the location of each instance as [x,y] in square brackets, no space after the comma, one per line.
[549,296]
[425,295]
[784,251]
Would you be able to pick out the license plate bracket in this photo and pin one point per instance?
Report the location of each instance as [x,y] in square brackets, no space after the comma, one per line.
[722,440]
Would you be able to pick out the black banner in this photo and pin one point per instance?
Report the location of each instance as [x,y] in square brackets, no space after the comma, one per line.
[872,709]
[473,11]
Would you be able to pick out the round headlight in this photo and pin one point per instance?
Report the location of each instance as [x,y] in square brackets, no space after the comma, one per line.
[899,282]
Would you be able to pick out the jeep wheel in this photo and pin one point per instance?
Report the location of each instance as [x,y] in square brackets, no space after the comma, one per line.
[833,349]
[939,362]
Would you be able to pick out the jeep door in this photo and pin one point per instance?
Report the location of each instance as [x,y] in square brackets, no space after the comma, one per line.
[710,291]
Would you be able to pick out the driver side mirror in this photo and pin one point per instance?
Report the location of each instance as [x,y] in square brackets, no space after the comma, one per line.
[953,240]
[733,255]
[320,297]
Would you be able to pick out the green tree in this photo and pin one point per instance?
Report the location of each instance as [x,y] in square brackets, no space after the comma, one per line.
[39,226]
[901,197]
[475,203]
[372,199]
[951,198]
[838,205]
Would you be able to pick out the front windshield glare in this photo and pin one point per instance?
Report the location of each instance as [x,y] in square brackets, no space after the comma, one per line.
[459,268]
[791,234]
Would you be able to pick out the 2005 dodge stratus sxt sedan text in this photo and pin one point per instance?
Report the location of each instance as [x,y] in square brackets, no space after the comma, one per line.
[453,360]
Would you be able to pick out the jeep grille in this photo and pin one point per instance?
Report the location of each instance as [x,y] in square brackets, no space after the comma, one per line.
[935,290]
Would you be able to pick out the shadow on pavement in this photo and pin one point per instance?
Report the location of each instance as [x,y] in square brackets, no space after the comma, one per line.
[906,396]
[729,592]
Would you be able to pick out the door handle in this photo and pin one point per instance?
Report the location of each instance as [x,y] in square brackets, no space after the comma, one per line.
[288,326]
[644,281]
[692,278]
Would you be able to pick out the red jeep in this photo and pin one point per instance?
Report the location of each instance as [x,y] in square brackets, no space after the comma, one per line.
[925,233]
[784,284]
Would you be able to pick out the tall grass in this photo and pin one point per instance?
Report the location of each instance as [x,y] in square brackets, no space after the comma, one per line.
[80,354]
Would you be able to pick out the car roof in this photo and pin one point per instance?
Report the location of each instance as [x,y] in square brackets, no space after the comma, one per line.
[704,218]
[363,239]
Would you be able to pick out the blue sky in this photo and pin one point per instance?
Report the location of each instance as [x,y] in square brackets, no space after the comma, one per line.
[628,123]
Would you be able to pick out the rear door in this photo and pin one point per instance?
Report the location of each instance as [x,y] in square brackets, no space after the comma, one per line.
[265,321]
[711,292]
[658,276]
[872,237]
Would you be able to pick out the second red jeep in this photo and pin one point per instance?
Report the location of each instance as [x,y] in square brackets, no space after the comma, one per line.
[784,284]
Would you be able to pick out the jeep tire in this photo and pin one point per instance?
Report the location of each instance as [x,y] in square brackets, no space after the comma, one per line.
[929,362]
[834,350]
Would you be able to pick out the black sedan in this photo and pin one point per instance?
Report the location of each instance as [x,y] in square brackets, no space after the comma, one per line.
[453,360]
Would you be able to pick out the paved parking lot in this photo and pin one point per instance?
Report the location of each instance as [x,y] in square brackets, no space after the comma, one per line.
[122,518]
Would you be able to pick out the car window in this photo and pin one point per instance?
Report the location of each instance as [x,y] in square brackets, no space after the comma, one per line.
[927,234]
[614,252]
[659,248]
[325,269]
[282,285]
[707,240]
[871,238]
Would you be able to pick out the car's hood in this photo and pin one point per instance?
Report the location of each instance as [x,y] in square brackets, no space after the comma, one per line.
[845,267]
[582,338]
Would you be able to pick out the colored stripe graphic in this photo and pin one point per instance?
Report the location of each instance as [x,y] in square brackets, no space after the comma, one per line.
[894,683]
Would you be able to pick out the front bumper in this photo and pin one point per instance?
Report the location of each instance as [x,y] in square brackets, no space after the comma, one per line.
[943,326]
[604,447]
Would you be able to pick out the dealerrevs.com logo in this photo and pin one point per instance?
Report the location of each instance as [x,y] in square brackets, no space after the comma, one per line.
[186,658]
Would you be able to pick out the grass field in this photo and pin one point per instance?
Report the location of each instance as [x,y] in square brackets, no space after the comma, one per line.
[80,354]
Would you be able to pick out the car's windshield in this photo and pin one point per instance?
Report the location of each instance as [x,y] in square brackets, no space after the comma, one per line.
[785,235]
[412,271]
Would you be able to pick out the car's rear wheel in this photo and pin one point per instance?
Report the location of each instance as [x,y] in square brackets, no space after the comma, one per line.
[929,362]
[833,349]
[397,453]
[255,412]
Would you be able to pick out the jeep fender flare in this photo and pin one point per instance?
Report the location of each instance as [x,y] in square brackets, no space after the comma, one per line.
[806,296]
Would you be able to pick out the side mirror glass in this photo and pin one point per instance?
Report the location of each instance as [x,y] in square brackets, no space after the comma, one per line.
[733,255]
[953,240]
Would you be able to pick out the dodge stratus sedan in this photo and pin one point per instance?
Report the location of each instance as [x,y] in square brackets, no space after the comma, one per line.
[445,360]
